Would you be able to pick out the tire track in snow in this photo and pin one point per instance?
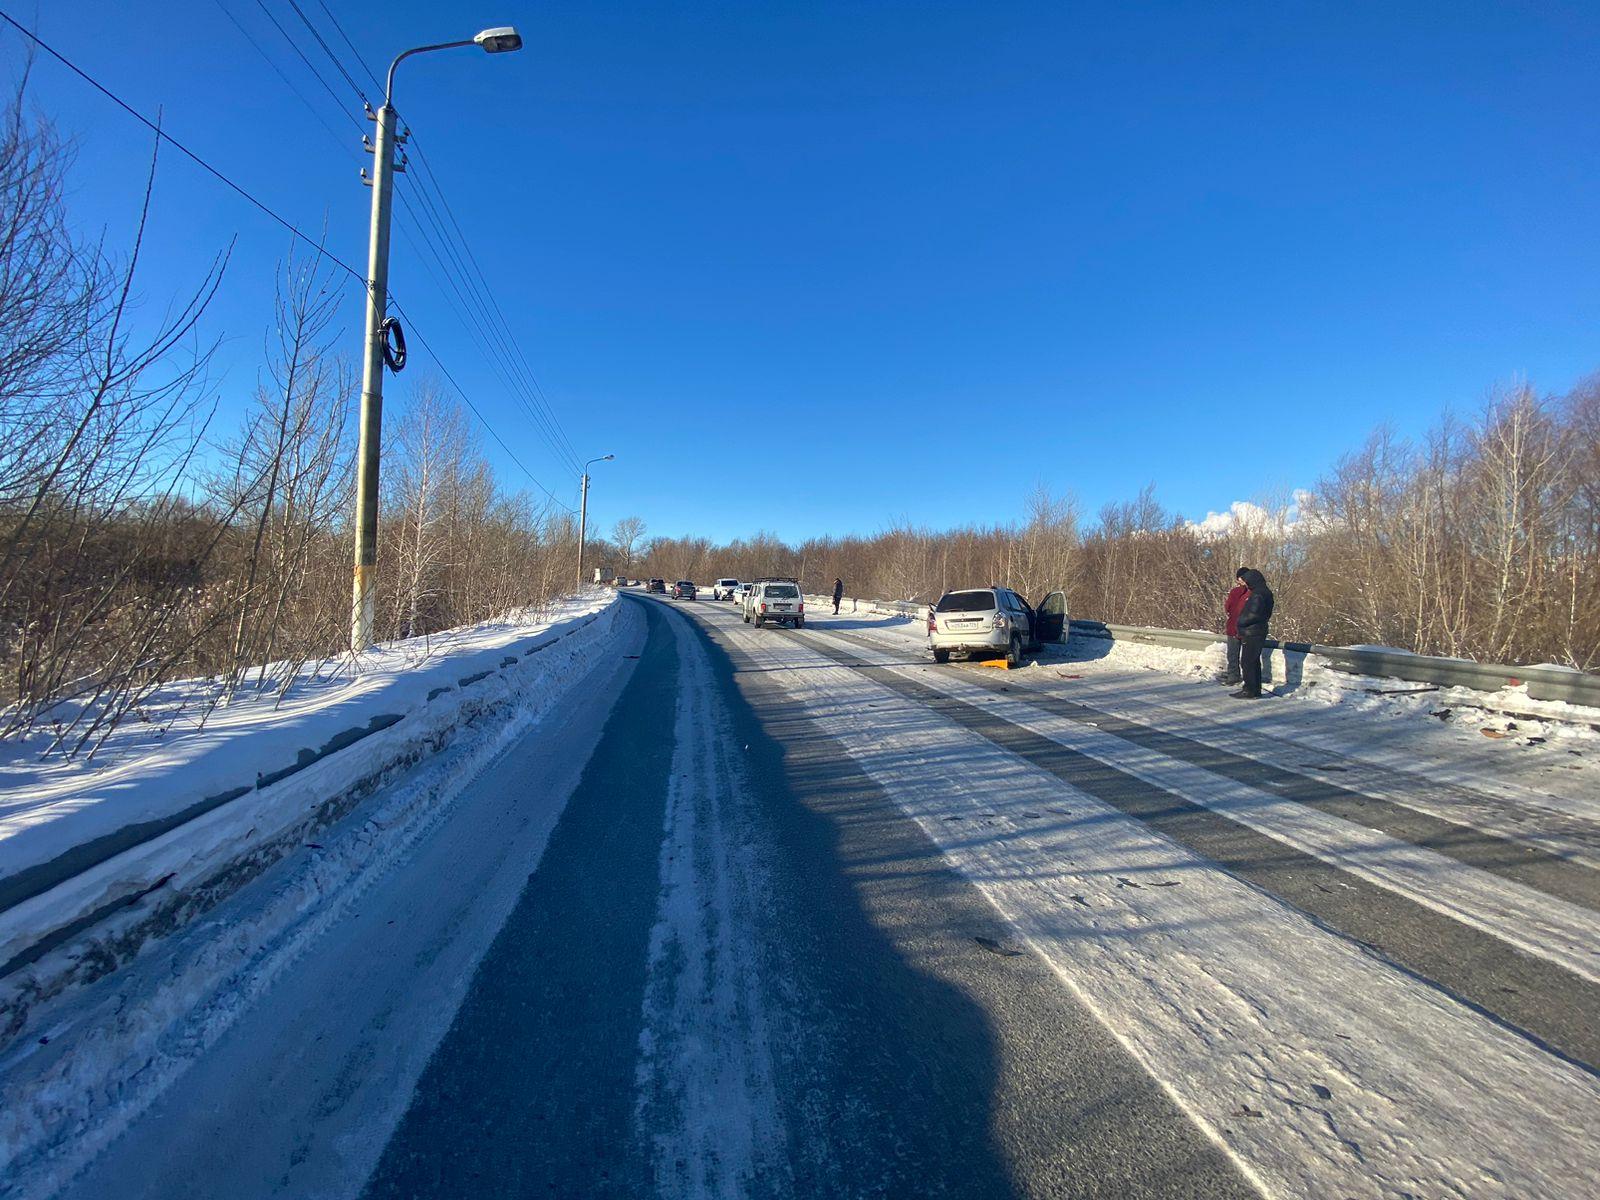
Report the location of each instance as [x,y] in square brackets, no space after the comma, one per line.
[1560,933]
[1323,1069]
[1561,825]
[706,1102]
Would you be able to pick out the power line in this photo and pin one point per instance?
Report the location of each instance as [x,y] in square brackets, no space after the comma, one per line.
[346,39]
[176,144]
[543,401]
[439,362]
[332,92]
[310,66]
[247,196]
[287,82]
[424,245]
[332,57]
[542,422]
[482,323]
[478,292]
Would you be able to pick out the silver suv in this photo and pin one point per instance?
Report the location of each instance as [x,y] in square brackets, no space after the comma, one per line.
[775,600]
[987,621]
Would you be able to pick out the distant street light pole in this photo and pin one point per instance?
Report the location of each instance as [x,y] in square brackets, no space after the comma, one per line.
[375,346]
[583,509]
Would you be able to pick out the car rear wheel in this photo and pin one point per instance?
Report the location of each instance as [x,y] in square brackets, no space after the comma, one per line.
[760,621]
[800,623]
[941,656]
[1014,651]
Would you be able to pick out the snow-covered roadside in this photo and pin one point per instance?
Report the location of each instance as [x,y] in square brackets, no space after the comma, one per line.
[1519,915]
[1394,745]
[1321,1068]
[80,1065]
[186,748]
[82,923]
[1310,677]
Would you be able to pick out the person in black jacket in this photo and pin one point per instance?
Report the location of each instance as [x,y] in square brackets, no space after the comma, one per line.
[1253,620]
[838,595]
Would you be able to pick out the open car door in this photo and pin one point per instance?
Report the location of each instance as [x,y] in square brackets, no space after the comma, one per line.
[1050,624]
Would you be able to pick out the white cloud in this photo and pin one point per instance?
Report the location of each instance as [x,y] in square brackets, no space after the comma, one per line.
[1245,518]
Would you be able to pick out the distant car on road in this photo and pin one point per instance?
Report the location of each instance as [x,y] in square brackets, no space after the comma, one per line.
[657,585]
[775,600]
[988,621]
[723,589]
[683,590]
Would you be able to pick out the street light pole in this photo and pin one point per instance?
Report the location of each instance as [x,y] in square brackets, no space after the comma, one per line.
[583,509]
[375,338]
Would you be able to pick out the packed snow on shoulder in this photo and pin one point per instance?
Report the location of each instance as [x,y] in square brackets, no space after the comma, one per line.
[88,1042]
[191,743]
[1529,751]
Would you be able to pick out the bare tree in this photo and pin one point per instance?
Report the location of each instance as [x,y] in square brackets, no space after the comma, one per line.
[124,417]
[289,479]
[626,533]
[430,446]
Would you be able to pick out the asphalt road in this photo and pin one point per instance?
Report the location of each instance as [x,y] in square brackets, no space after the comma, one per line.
[783,913]
[912,1051]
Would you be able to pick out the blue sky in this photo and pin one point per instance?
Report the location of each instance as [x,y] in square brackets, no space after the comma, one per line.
[808,267]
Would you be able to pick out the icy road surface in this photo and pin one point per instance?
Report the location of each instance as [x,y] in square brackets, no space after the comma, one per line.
[779,913]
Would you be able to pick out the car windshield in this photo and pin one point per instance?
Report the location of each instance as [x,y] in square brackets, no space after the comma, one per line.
[979,601]
[783,591]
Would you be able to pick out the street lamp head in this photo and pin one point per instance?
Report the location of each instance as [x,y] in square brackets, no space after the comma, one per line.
[500,40]
[608,458]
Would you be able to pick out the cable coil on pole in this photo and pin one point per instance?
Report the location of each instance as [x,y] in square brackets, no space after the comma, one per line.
[394,344]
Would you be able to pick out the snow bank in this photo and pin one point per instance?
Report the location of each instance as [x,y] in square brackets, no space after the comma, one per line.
[1509,713]
[1312,679]
[90,1061]
[96,861]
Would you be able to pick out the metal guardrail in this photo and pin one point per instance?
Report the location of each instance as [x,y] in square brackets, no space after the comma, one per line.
[1543,682]
[35,880]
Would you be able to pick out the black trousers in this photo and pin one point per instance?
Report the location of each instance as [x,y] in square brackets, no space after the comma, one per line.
[836,606]
[1232,674]
[1250,651]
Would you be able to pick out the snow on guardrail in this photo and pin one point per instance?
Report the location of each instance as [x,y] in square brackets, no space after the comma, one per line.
[1543,682]
[94,862]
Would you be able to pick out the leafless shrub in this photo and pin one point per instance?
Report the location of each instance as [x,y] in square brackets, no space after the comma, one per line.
[453,548]
[125,563]
[1482,540]
[101,428]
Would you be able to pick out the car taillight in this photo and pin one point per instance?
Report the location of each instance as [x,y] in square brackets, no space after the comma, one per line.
[763,607]
[801,607]
[1000,621]
[932,624]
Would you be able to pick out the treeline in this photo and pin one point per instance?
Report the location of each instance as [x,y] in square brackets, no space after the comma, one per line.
[140,541]
[1481,540]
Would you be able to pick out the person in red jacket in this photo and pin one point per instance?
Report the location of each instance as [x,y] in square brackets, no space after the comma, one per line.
[1231,607]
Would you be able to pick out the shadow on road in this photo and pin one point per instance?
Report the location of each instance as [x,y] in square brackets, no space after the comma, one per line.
[930,1057]
[531,1092]
[890,1070]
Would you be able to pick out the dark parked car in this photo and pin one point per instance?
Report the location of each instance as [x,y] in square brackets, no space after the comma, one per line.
[683,590]
[656,585]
